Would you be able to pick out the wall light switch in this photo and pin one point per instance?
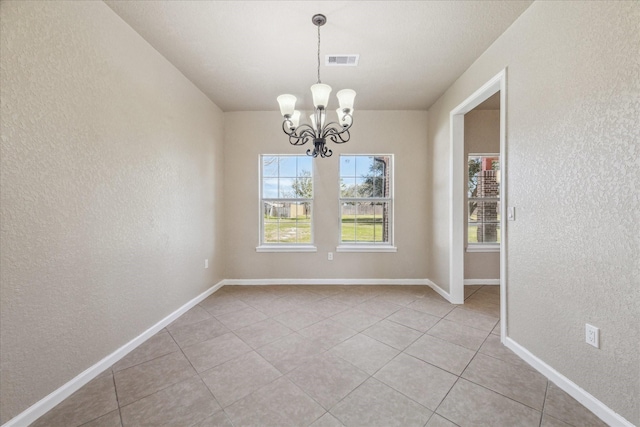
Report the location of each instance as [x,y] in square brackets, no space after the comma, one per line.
[511,213]
[206,263]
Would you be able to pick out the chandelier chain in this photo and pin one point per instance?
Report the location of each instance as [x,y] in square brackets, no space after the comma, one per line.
[319,54]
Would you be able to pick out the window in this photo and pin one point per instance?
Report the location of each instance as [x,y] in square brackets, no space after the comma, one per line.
[483,202]
[286,203]
[366,203]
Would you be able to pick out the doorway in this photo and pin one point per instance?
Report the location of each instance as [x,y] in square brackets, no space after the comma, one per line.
[459,163]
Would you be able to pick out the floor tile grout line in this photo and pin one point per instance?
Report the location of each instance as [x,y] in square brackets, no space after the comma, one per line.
[115,389]
[148,360]
[497,392]
[544,402]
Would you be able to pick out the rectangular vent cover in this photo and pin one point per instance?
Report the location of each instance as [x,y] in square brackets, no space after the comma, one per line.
[342,60]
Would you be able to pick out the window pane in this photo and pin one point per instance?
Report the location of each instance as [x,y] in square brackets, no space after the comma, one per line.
[287,166]
[270,188]
[348,215]
[285,188]
[365,222]
[364,165]
[305,165]
[363,187]
[347,166]
[473,211]
[347,187]
[487,212]
[287,222]
[488,233]
[270,166]
[302,186]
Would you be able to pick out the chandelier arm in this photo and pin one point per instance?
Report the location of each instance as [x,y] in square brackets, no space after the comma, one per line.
[300,137]
[298,140]
[298,131]
[341,138]
[336,133]
[333,128]
[287,127]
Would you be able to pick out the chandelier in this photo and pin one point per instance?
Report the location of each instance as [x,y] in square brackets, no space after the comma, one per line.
[318,131]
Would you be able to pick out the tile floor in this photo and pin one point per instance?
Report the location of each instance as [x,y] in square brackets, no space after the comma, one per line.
[325,356]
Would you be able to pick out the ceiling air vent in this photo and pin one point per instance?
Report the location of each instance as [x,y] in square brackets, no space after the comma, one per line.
[342,60]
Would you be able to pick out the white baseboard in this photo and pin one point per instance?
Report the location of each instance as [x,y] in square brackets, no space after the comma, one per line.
[481,282]
[444,294]
[48,402]
[304,282]
[393,282]
[601,410]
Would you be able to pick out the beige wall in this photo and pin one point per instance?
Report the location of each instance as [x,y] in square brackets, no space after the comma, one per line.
[111,168]
[401,133]
[572,157]
[481,135]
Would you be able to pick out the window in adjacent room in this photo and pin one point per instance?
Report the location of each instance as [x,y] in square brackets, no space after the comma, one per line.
[366,203]
[483,200]
[286,203]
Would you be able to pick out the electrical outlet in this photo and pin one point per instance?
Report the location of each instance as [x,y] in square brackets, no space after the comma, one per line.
[206,263]
[592,336]
[330,256]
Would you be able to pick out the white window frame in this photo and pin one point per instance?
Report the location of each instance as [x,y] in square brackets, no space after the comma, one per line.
[283,247]
[480,247]
[369,246]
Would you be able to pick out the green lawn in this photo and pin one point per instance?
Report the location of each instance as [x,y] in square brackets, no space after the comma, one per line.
[367,228]
[298,230]
[287,230]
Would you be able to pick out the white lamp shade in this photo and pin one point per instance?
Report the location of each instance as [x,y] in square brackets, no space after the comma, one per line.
[346,97]
[320,94]
[295,119]
[312,117]
[287,104]
[343,118]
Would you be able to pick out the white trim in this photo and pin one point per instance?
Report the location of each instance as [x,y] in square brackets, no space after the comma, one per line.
[498,83]
[366,248]
[260,282]
[483,247]
[484,282]
[349,282]
[286,248]
[48,402]
[444,294]
[601,410]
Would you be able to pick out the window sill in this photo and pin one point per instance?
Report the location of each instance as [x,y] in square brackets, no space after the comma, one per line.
[366,248]
[484,248]
[286,248]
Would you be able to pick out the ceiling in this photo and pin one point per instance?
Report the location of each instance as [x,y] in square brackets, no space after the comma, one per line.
[243,54]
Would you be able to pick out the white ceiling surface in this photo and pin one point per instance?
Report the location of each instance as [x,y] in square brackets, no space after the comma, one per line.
[243,54]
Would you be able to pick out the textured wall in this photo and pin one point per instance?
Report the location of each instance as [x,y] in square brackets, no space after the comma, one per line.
[573,167]
[111,167]
[402,133]
[481,135]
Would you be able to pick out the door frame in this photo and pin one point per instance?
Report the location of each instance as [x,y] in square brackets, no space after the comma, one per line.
[456,192]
